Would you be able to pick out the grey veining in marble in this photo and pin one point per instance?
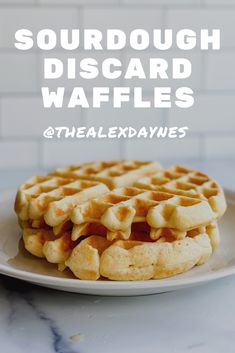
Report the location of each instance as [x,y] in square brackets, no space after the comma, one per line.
[27,324]
[199,319]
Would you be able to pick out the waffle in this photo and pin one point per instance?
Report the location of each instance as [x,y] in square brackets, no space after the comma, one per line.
[55,195]
[54,199]
[114,174]
[121,220]
[119,209]
[129,260]
[136,259]
[43,243]
[184,181]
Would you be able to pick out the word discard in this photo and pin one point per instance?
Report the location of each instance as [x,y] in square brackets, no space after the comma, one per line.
[134,70]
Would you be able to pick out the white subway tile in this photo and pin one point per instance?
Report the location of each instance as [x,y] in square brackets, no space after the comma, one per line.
[17,2]
[12,178]
[219,2]
[209,113]
[108,116]
[18,72]
[78,2]
[34,19]
[154,149]
[60,153]
[26,116]
[220,146]
[194,81]
[126,19]
[163,2]
[220,73]
[18,154]
[196,19]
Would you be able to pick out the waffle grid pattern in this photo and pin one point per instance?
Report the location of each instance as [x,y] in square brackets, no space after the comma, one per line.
[77,217]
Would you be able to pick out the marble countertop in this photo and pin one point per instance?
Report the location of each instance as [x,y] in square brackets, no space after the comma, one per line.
[198,319]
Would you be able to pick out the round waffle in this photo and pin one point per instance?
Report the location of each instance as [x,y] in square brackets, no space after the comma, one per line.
[129,260]
[122,220]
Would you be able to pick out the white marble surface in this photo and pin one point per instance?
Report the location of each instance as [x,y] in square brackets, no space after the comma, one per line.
[198,320]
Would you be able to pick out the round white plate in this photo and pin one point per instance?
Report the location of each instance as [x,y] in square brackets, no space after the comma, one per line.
[16,262]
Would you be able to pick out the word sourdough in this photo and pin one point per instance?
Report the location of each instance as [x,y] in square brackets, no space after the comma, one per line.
[116,39]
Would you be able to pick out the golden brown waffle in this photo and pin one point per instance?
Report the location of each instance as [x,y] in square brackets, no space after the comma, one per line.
[183,181]
[55,195]
[119,209]
[114,174]
[136,259]
[43,243]
[53,199]
[122,220]
[129,260]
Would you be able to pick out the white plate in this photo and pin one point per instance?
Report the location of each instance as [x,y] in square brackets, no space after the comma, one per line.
[19,264]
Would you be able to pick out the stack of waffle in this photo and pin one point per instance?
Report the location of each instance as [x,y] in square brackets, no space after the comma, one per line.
[121,220]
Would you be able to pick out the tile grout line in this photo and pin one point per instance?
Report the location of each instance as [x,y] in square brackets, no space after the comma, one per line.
[40,153]
[80,50]
[210,134]
[1,119]
[202,147]
[80,18]
[148,93]
[119,4]
[39,82]
[203,62]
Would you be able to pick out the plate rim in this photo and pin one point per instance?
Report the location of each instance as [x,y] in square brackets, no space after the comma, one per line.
[157,284]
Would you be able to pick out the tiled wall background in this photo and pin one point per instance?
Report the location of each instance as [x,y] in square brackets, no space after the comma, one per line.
[22,117]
